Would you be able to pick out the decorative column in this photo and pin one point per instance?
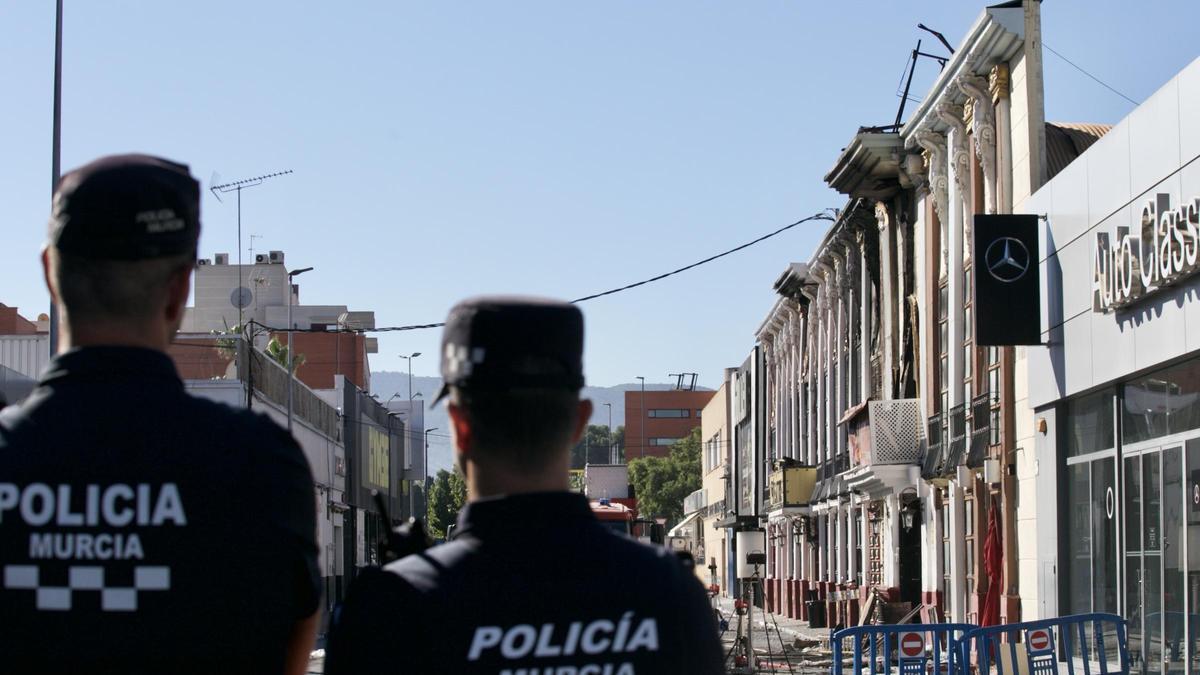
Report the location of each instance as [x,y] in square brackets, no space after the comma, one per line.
[864,317]
[839,340]
[998,87]
[934,145]
[983,131]
[886,297]
[960,172]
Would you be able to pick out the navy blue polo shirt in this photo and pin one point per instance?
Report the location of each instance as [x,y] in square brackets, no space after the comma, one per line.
[531,583]
[146,530]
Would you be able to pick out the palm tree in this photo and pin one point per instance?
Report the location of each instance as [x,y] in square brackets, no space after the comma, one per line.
[278,352]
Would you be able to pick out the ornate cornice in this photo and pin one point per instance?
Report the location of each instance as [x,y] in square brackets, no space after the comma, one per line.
[882,218]
[934,145]
[998,84]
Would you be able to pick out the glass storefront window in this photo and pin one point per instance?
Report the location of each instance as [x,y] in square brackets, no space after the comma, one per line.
[1090,424]
[1079,548]
[1162,403]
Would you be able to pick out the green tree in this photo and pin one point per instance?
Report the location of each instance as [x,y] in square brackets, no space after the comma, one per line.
[661,483]
[447,494]
[596,448]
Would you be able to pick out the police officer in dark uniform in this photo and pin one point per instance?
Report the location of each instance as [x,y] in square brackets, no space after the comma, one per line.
[143,529]
[531,583]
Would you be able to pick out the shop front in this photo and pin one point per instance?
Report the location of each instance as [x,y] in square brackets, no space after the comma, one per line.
[1115,389]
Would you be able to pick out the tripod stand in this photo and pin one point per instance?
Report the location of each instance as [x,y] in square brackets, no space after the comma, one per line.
[742,651]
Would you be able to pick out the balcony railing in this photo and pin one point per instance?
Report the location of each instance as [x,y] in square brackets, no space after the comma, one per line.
[935,452]
[981,430]
[957,450]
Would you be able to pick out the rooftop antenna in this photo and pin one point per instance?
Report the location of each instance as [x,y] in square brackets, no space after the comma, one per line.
[252,238]
[240,294]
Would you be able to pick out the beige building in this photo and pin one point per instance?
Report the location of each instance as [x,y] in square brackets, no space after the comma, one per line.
[715,546]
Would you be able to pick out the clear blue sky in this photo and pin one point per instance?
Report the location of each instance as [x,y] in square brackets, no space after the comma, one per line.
[443,149]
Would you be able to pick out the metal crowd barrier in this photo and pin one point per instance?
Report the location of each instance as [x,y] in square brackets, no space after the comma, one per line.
[916,649]
[1084,641]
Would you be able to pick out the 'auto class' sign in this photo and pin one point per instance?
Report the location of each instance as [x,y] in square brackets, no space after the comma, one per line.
[1166,251]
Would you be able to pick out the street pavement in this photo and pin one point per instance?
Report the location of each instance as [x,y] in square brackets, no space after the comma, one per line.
[781,644]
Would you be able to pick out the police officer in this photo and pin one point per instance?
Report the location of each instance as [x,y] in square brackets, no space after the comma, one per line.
[531,583]
[143,529]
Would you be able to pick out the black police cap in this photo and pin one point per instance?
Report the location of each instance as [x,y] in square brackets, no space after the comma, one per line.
[126,207]
[509,342]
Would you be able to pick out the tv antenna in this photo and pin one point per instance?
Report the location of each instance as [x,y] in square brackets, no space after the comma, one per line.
[252,238]
[680,378]
[237,186]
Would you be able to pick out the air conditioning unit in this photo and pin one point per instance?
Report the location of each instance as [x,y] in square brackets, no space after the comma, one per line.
[203,262]
[260,259]
[221,259]
[276,257]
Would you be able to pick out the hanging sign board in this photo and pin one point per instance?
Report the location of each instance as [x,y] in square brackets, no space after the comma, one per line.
[1008,309]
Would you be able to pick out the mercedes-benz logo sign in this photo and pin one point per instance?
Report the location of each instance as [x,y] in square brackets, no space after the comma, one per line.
[1007,259]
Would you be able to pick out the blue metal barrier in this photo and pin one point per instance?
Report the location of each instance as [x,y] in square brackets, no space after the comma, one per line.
[1092,638]
[911,646]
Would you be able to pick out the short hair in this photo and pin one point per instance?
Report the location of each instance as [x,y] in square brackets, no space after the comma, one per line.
[523,427]
[122,290]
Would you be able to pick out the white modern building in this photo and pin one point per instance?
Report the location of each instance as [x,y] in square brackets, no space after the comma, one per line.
[1115,390]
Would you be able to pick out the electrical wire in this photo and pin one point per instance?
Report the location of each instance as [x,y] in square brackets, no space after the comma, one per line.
[1080,69]
[827,214]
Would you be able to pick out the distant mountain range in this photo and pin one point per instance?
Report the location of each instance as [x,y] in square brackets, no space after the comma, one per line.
[386,383]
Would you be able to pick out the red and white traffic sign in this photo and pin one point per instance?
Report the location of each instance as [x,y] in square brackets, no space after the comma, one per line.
[1039,639]
[912,645]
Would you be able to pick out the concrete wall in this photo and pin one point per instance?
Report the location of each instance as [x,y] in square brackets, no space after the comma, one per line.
[1148,153]
[26,354]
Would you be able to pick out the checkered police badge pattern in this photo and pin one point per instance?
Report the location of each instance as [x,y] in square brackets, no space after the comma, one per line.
[87,578]
[461,360]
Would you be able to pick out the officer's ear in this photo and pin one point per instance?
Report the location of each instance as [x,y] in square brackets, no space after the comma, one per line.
[46,274]
[178,287]
[460,427]
[584,415]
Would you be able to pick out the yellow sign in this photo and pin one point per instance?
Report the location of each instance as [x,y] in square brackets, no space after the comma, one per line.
[378,458]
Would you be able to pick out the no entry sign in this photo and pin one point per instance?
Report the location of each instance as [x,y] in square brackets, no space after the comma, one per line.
[1039,639]
[912,645]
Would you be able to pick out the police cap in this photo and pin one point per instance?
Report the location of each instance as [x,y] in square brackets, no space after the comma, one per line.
[509,342]
[126,207]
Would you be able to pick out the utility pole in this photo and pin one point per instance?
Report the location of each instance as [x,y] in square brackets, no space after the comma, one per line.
[425,471]
[291,358]
[611,445]
[240,295]
[56,148]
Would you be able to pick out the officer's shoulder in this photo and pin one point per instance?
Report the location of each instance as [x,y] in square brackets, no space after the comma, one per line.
[646,556]
[432,568]
[248,424]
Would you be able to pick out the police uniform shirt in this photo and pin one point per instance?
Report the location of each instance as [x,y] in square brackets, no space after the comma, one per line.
[531,584]
[146,530]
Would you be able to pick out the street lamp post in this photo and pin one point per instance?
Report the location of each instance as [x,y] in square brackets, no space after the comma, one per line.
[410,358]
[642,421]
[291,364]
[611,445]
[425,471]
